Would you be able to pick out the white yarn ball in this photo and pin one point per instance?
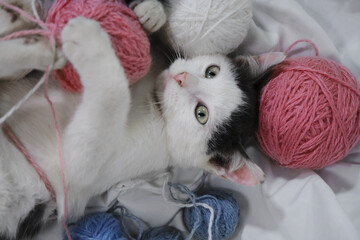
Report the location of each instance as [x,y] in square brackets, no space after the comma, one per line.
[197,27]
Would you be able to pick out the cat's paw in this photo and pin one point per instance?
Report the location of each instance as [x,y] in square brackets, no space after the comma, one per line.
[84,41]
[12,21]
[39,51]
[151,14]
[60,59]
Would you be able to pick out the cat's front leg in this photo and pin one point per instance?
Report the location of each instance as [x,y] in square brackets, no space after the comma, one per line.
[21,55]
[88,47]
[98,123]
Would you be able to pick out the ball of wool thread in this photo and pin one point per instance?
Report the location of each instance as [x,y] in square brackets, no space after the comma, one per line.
[226,215]
[101,226]
[128,39]
[206,26]
[309,113]
[163,233]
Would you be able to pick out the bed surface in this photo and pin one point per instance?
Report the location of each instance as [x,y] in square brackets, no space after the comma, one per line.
[291,204]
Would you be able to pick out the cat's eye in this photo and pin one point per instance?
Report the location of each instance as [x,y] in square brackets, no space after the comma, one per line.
[201,114]
[212,71]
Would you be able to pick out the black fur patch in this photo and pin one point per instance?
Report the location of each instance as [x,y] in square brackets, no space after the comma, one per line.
[14,15]
[236,133]
[33,222]
[2,237]
[127,2]
[156,100]
[220,161]
[165,2]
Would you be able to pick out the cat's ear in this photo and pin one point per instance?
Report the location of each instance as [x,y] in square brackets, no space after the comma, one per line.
[248,174]
[238,168]
[257,65]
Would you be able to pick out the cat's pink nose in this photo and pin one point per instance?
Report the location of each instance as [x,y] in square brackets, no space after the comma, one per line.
[180,78]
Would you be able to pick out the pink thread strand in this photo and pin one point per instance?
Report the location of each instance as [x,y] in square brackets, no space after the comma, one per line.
[300,41]
[47,31]
[51,35]
[23,13]
[11,136]
[26,33]
[47,72]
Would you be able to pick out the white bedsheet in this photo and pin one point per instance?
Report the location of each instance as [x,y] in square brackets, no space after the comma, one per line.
[291,204]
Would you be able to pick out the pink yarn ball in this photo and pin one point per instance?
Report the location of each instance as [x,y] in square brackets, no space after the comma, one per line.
[309,114]
[128,38]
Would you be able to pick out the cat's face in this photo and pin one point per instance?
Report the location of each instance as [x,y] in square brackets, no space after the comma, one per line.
[210,112]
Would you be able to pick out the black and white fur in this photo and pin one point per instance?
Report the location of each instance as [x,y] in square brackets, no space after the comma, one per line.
[111,132]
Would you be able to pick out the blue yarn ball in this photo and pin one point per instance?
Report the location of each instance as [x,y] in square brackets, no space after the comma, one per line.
[100,226]
[226,215]
[163,233]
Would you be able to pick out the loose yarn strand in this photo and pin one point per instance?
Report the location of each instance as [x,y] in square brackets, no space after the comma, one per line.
[47,28]
[191,202]
[123,213]
[22,101]
[47,72]
[10,134]
[26,33]
[58,141]
[35,12]
[300,41]
[24,14]
[50,34]
[15,35]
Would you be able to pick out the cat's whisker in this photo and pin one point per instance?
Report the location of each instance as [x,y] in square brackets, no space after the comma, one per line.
[155,103]
[160,103]
[167,53]
[186,55]
[175,54]
[176,51]
[157,100]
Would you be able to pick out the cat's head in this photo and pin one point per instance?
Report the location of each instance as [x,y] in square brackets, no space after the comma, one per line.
[209,104]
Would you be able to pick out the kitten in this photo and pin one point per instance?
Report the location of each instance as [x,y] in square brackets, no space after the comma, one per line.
[199,113]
